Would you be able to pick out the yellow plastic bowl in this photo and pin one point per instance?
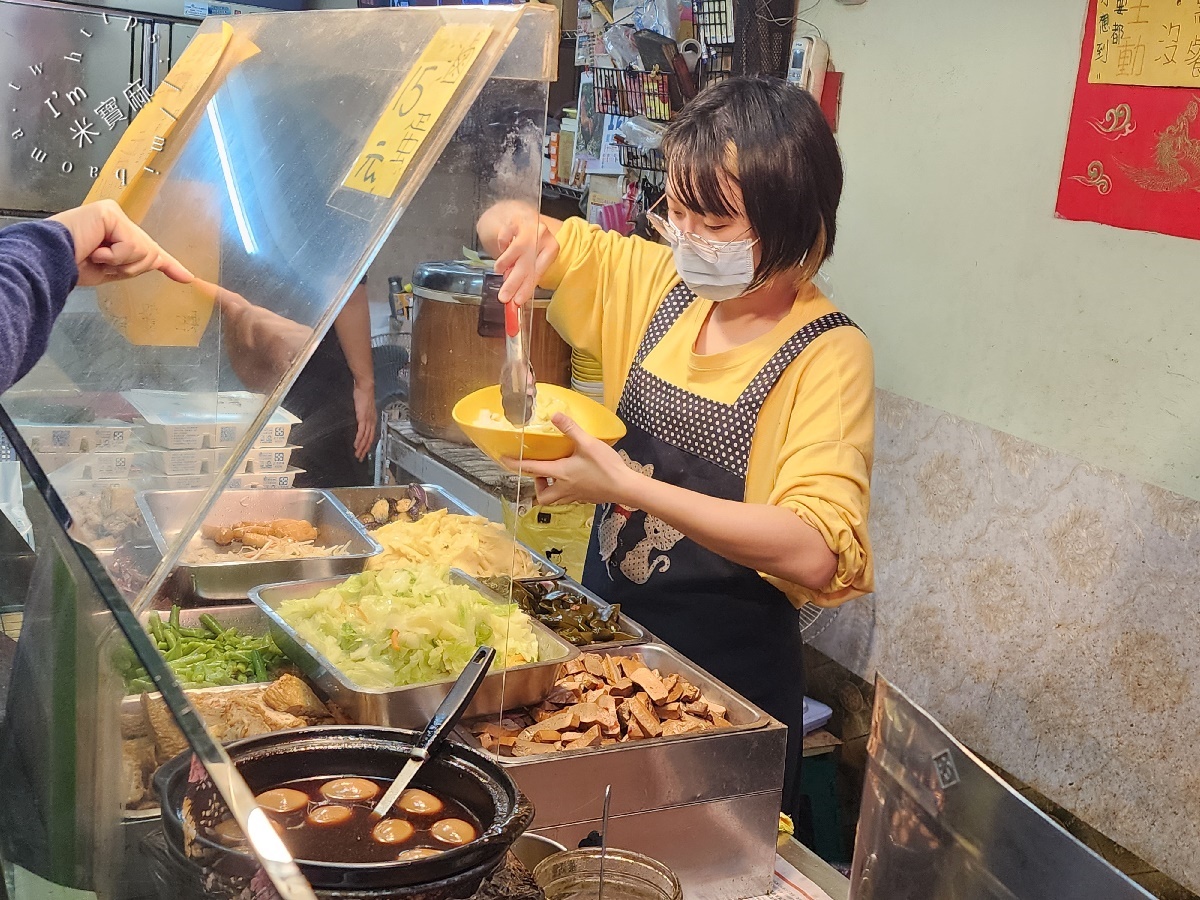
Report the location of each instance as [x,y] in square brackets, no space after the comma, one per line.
[496,442]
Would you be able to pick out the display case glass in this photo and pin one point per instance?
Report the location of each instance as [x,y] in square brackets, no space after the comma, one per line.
[275,159]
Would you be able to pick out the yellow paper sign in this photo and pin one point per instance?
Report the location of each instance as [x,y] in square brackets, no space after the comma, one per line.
[1153,42]
[415,108]
[153,310]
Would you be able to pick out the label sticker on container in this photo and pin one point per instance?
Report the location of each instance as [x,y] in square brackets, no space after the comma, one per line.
[415,108]
[198,10]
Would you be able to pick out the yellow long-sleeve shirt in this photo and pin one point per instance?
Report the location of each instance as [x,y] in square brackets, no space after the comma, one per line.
[813,446]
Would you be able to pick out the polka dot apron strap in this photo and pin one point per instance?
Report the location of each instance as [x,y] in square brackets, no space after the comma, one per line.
[756,391]
[667,314]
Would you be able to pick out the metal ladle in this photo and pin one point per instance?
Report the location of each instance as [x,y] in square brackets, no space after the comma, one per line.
[443,721]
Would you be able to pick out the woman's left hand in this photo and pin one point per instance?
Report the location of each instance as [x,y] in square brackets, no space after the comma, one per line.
[366,418]
[594,473]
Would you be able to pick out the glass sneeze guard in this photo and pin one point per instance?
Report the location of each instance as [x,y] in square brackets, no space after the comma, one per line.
[262,184]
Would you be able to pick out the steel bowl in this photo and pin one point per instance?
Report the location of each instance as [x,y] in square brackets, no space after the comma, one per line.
[459,773]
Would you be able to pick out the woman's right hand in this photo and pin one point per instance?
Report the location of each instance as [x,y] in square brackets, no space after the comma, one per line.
[523,244]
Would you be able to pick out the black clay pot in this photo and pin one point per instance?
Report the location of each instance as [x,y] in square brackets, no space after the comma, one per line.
[455,772]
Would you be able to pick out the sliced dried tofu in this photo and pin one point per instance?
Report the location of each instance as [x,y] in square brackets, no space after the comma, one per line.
[564,695]
[589,738]
[672,727]
[645,718]
[669,711]
[674,688]
[593,664]
[587,713]
[650,683]
[562,721]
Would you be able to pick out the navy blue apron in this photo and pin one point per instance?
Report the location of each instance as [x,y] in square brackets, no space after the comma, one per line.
[725,617]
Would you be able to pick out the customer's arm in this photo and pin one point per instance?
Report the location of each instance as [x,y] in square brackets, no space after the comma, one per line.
[40,262]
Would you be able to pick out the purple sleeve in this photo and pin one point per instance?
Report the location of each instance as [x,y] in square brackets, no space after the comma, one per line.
[37,271]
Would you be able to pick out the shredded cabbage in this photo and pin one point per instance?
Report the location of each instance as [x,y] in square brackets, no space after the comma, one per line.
[400,626]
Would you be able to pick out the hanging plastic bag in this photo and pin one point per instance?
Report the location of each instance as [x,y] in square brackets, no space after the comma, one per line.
[661,16]
[642,133]
[618,41]
[559,533]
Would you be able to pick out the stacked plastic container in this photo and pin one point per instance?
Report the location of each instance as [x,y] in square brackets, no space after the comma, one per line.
[182,444]
[174,442]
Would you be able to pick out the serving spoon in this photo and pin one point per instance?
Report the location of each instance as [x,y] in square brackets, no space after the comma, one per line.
[443,721]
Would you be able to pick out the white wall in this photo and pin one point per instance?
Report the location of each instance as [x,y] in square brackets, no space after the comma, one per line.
[977,300]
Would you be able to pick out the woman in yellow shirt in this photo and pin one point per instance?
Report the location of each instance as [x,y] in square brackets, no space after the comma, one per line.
[743,482]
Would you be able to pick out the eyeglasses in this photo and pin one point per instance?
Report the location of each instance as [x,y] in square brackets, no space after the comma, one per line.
[707,250]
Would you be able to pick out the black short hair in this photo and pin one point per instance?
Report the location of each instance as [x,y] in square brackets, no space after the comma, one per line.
[772,140]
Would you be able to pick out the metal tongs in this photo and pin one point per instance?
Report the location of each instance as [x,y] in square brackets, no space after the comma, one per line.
[518,389]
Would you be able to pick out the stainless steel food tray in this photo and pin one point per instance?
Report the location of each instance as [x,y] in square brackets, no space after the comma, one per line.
[567,787]
[359,499]
[411,706]
[167,511]
[741,713]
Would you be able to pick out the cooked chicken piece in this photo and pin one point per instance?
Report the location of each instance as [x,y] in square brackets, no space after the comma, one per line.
[254,539]
[381,511]
[294,530]
[242,528]
[221,535]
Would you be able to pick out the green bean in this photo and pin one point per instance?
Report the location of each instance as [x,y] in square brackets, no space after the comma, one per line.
[207,655]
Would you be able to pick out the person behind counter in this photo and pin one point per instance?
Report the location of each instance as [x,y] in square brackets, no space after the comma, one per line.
[741,489]
[334,397]
[41,262]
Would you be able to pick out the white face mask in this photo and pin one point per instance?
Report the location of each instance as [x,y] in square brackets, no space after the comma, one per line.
[715,270]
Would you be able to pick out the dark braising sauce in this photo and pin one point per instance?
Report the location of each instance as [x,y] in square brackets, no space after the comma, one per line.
[335,823]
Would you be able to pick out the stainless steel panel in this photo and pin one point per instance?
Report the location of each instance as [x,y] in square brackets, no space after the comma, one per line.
[719,850]
[658,772]
[936,822]
[66,76]
[412,706]
[359,499]
[167,511]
